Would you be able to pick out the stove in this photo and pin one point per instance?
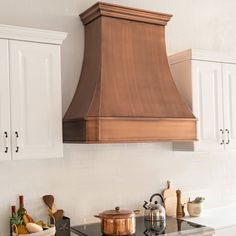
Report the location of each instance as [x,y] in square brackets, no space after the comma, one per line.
[171,227]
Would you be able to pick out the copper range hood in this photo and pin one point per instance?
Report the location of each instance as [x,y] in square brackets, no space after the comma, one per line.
[126,92]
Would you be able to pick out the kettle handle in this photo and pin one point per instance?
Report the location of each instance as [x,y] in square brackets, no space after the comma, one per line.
[157,194]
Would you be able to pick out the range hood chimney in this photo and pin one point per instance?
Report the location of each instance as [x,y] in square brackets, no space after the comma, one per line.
[126,92]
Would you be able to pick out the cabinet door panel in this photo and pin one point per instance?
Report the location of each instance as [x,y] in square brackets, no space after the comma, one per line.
[5,151]
[35,100]
[207,104]
[229,85]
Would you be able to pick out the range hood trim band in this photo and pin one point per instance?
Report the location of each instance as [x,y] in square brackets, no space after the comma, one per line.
[101,130]
[128,13]
[129,118]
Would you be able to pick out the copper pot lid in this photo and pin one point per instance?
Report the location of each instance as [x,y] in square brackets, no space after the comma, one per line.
[117,213]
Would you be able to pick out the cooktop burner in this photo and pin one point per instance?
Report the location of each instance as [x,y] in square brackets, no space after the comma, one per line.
[172,226]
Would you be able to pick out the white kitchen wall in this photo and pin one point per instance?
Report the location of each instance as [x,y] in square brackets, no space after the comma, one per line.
[92,178]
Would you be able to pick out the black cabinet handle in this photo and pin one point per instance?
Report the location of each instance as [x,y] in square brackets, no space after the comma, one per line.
[17,146]
[228,139]
[222,137]
[6,146]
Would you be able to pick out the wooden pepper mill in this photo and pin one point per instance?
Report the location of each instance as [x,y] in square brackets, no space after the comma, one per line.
[179,208]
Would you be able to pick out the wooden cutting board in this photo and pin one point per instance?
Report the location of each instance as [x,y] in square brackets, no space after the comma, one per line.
[169,191]
[170,200]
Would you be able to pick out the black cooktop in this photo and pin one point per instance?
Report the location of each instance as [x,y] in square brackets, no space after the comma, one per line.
[172,225]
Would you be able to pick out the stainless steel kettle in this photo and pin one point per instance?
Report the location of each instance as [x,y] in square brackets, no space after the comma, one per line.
[154,211]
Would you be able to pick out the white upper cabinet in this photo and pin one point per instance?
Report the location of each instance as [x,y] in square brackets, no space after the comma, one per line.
[35,100]
[30,98]
[207,104]
[229,93]
[207,81]
[5,135]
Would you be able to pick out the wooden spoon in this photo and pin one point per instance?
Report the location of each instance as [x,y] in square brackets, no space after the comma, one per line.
[58,215]
[50,202]
[50,213]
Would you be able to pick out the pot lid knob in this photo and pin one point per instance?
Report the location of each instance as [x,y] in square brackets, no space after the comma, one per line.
[117,208]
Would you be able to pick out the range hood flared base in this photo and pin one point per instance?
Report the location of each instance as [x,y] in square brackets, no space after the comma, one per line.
[120,129]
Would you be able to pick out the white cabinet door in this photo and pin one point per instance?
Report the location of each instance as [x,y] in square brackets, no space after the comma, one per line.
[5,151]
[35,82]
[208,104]
[229,88]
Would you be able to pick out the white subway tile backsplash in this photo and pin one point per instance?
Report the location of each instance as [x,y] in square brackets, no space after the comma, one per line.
[92,178]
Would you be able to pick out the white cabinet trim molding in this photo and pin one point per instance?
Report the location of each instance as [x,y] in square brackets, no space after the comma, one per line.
[31,34]
[202,55]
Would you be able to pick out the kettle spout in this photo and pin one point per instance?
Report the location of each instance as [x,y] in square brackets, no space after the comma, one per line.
[145,205]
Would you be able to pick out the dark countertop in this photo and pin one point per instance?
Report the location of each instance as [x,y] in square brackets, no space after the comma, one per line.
[173,227]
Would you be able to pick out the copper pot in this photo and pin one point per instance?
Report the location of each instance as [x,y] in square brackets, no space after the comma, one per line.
[118,221]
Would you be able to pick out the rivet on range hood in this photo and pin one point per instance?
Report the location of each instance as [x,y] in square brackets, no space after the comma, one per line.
[126,92]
